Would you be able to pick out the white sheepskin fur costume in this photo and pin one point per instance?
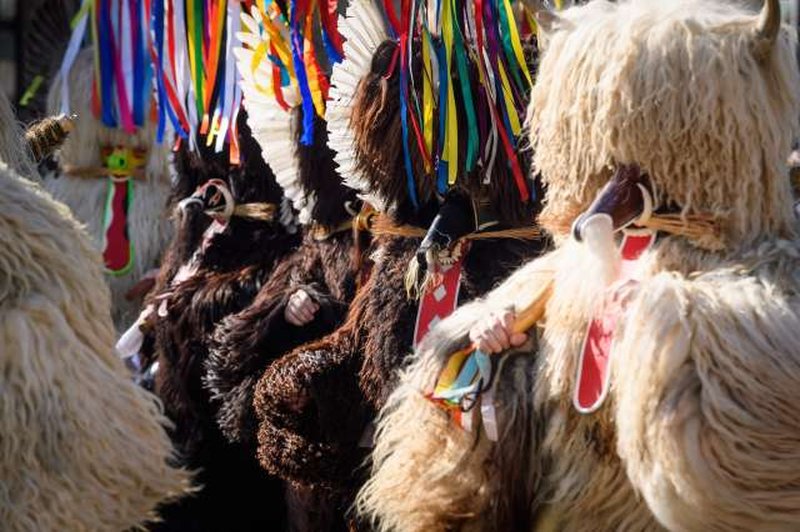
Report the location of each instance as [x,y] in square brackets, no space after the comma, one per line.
[81,446]
[700,429]
[148,220]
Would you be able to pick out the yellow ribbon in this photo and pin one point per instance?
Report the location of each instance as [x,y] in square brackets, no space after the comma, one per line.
[215,128]
[515,42]
[450,151]
[508,98]
[427,96]
[258,56]
[274,39]
[312,72]
[86,6]
[531,20]
[451,371]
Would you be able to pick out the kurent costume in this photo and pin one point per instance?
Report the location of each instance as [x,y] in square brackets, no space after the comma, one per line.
[327,265]
[230,235]
[82,447]
[666,361]
[213,269]
[315,403]
[111,171]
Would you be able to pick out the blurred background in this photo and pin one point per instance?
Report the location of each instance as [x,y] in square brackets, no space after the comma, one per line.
[34,34]
[8,45]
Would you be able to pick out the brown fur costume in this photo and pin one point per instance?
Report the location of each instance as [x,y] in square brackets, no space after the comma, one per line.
[247,342]
[697,432]
[316,402]
[82,447]
[326,268]
[229,273]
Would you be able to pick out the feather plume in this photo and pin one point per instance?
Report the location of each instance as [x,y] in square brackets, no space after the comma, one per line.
[364,30]
[271,124]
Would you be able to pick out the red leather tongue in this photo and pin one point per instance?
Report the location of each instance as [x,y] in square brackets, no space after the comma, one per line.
[117,247]
[593,366]
[440,300]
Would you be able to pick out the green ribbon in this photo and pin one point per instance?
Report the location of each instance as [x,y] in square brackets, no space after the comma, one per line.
[506,35]
[463,76]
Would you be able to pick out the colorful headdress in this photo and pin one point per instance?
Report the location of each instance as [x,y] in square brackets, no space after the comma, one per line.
[122,86]
[364,30]
[178,50]
[196,77]
[112,81]
[287,53]
[462,111]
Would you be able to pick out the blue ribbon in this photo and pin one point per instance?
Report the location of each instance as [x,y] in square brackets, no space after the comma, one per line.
[330,50]
[441,170]
[106,52]
[139,96]
[158,22]
[307,138]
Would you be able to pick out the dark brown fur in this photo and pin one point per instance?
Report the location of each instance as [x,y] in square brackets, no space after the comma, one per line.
[235,265]
[377,132]
[315,403]
[247,342]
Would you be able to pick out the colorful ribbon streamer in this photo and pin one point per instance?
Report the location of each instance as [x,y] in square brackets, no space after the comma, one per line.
[472,48]
[290,43]
[196,79]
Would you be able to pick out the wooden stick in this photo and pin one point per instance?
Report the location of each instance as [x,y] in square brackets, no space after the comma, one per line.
[533,313]
[97,172]
[528,317]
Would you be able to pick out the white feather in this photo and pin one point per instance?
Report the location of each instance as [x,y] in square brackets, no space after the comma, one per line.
[271,125]
[364,30]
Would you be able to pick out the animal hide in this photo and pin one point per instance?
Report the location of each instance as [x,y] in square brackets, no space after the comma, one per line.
[245,343]
[226,274]
[77,433]
[148,224]
[704,376]
[315,403]
[327,269]
[696,432]
[453,478]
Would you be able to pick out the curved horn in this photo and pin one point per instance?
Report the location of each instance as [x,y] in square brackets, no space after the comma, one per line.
[767,27]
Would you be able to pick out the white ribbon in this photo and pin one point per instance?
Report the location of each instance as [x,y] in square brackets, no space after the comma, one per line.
[126,47]
[230,73]
[73,48]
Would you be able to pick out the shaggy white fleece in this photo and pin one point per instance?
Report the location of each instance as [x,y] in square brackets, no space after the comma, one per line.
[81,446]
[699,431]
[150,228]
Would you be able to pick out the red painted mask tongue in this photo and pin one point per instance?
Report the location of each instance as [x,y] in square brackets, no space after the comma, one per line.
[593,365]
[117,245]
[441,299]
